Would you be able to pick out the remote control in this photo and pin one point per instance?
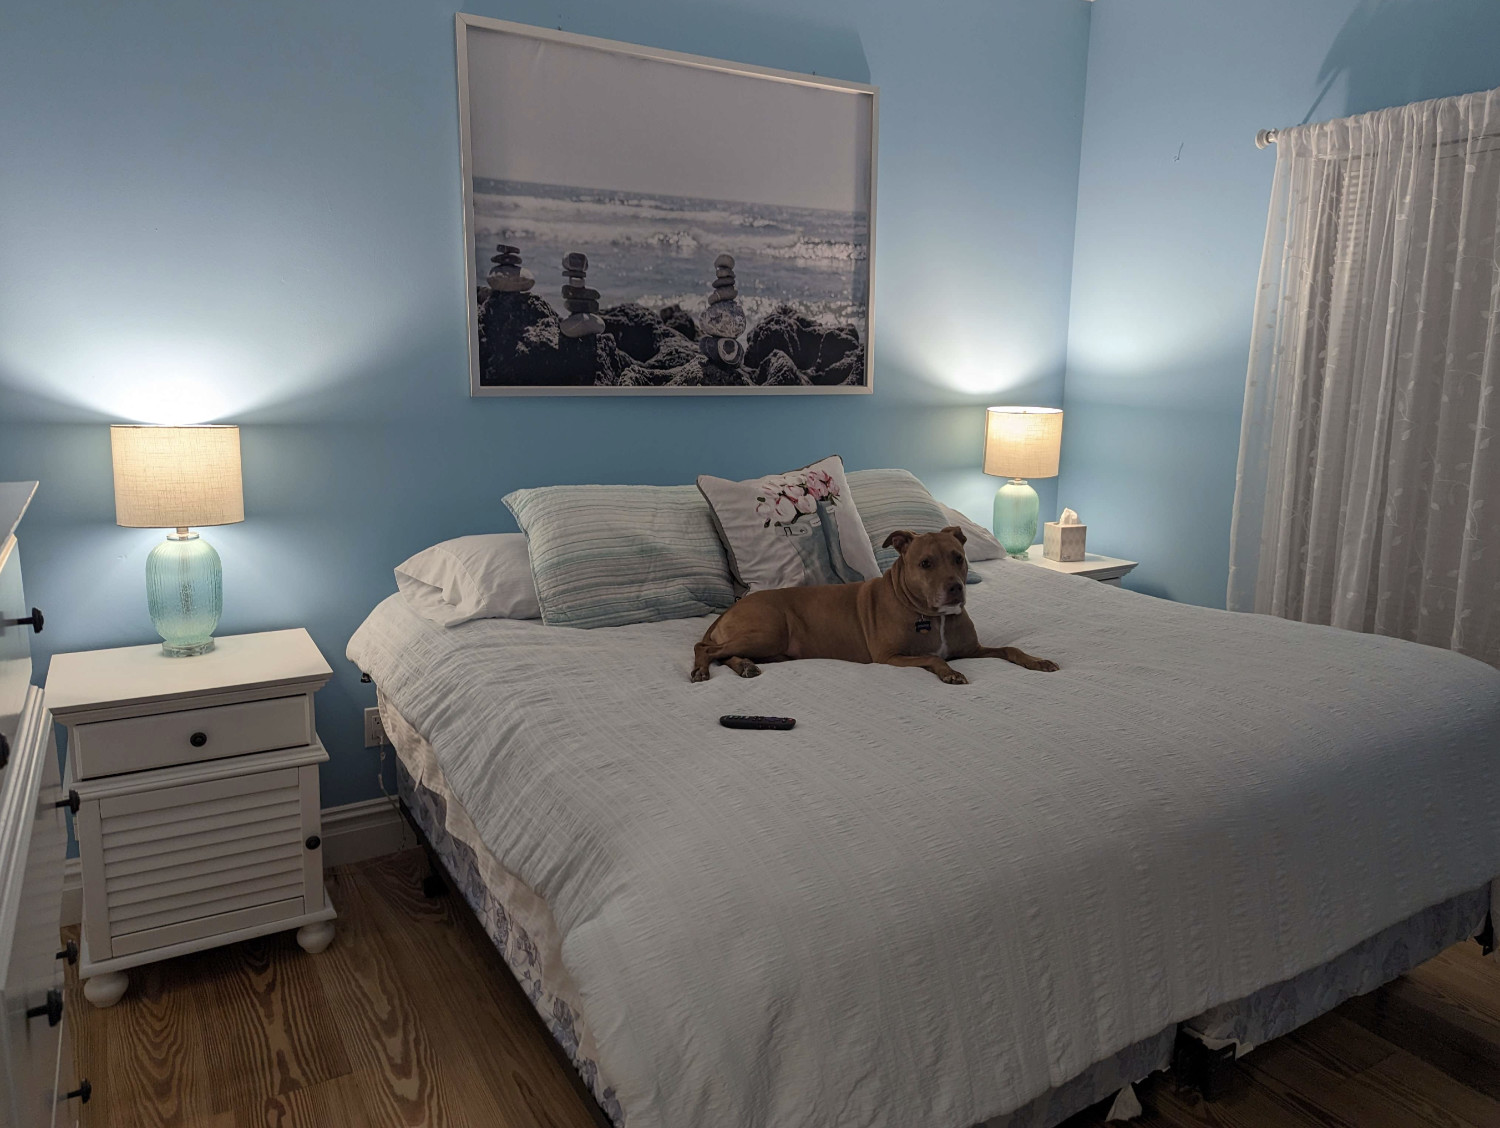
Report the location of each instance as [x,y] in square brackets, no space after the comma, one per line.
[737,722]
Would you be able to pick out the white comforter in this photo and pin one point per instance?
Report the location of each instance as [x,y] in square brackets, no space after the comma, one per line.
[928,904]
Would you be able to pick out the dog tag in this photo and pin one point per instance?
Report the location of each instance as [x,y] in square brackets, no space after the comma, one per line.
[924,625]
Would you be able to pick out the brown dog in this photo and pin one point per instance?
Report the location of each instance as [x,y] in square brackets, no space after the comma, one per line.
[911,616]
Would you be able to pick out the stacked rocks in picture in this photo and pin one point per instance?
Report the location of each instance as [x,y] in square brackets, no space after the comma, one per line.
[582,304]
[506,274]
[724,319]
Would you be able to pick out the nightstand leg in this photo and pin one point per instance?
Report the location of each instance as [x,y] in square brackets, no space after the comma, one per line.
[105,990]
[313,938]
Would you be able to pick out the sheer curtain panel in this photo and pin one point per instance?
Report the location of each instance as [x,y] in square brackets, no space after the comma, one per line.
[1368,489]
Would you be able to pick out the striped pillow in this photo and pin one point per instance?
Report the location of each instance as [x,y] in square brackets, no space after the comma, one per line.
[604,556]
[896,499]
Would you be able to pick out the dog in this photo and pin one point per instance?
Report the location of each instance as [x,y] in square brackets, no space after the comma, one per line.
[911,616]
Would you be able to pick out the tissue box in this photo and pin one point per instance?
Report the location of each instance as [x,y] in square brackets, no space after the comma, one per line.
[1063,542]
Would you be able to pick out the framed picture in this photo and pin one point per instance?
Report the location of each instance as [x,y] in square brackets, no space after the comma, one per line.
[643,222]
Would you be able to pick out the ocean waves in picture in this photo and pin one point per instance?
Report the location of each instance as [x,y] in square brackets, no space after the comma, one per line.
[659,250]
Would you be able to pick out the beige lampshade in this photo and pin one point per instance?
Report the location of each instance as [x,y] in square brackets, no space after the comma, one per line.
[1022,442]
[177,477]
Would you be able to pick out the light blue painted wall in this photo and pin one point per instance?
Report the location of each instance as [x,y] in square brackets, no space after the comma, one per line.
[1171,217]
[250,213]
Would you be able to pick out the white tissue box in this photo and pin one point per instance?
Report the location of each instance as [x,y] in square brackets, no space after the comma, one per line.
[1063,543]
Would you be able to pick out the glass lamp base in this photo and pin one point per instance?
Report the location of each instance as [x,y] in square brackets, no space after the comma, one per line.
[1016,509]
[185,593]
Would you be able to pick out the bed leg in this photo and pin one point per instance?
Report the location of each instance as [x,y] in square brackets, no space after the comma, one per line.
[1195,1066]
[1485,937]
[433,885]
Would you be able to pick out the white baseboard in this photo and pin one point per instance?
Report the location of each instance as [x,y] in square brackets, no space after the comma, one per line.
[351,833]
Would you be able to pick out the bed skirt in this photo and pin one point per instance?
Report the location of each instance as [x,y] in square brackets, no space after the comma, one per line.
[519,924]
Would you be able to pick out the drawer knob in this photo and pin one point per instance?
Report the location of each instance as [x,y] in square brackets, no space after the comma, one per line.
[83,1092]
[313,842]
[69,952]
[72,802]
[198,739]
[34,621]
[52,1008]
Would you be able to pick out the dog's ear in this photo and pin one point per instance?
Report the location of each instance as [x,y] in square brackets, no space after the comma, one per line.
[957,533]
[899,540]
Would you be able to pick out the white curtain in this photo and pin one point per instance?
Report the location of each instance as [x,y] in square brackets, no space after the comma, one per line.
[1368,490]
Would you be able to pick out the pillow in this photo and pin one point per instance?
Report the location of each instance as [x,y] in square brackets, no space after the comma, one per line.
[982,543]
[896,499]
[604,556]
[480,577]
[793,529]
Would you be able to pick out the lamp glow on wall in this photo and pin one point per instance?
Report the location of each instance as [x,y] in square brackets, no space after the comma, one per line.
[176,478]
[1020,443]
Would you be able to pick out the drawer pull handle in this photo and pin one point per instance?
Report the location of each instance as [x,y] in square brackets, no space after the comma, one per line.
[313,842]
[69,952]
[83,1092]
[34,621]
[4,750]
[198,739]
[72,802]
[52,1008]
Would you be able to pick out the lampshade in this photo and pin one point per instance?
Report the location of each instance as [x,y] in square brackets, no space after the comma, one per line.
[177,477]
[1022,442]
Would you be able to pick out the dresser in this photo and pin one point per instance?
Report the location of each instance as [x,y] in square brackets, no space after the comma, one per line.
[194,783]
[36,1074]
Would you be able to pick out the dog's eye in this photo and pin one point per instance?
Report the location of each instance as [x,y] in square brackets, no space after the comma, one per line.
[957,559]
[927,562]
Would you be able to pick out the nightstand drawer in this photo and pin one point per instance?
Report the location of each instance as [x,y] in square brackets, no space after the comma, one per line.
[134,744]
[176,863]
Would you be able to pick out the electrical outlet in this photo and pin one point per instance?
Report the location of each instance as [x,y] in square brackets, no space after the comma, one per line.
[374,729]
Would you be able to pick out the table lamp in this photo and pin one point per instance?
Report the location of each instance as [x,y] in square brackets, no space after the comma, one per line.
[1020,443]
[175,478]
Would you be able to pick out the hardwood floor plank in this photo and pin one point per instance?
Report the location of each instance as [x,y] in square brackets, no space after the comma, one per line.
[337,1103]
[378,1020]
[268,1028]
[1452,1039]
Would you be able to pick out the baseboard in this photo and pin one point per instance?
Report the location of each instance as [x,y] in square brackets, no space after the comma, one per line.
[353,832]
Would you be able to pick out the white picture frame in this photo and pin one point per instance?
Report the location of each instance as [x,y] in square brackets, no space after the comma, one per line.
[548,118]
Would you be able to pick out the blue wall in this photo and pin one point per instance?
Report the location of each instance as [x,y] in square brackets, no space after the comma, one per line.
[1171,217]
[250,213]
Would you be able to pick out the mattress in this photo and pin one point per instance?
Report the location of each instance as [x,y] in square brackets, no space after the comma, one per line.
[1198,806]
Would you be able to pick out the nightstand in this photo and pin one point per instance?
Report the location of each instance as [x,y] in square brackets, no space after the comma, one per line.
[194,789]
[1106,569]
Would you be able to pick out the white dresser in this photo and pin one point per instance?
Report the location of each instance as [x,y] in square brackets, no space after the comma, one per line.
[36,1074]
[195,784]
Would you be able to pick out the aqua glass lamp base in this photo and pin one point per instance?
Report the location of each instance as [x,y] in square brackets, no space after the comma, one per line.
[185,592]
[1016,509]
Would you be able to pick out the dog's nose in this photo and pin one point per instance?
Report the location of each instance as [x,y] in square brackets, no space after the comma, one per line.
[955,590]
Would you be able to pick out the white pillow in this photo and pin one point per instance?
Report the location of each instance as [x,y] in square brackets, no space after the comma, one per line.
[479,577]
[793,529]
[981,544]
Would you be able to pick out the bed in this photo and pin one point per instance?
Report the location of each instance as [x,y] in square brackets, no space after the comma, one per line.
[940,905]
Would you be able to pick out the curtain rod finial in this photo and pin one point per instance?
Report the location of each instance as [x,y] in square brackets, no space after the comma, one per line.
[1264,137]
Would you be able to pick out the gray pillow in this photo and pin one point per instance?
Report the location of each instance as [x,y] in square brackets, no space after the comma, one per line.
[604,556]
[896,499]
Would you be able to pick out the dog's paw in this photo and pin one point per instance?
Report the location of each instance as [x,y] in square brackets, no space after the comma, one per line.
[1046,665]
[699,675]
[953,677]
[749,671]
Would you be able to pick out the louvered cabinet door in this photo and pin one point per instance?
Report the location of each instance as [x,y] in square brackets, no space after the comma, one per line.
[177,864]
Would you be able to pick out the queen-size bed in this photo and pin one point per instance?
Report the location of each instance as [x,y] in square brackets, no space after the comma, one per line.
[943,905]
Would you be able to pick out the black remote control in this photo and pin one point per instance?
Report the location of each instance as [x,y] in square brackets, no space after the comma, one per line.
[738,722]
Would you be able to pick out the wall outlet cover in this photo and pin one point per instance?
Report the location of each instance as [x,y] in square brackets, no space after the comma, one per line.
[374,729]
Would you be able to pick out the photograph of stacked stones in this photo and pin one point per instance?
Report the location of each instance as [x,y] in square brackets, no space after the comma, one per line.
[524,341]
[605,258]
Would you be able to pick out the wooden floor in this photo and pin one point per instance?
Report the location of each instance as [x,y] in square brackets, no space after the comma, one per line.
[410,1018]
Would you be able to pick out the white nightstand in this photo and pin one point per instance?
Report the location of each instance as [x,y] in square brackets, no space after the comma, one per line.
[1106,569]
[194,785]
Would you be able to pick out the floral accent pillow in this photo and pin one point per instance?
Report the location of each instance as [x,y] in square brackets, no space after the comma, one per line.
[791,530]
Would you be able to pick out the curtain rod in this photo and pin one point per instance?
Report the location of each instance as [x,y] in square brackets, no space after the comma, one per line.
[1264,137]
